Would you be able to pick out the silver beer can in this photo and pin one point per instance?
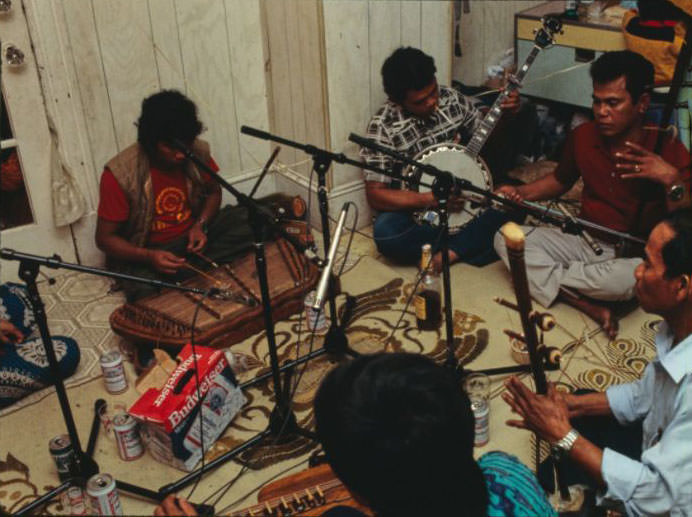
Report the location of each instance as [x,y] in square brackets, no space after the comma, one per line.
[103,495]
[61,450]
[481,414]
[127,437]
[113,372]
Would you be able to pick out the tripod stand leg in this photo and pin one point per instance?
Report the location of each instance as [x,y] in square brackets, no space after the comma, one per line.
[44,499]
[99,406]
[335,341]
[192,476]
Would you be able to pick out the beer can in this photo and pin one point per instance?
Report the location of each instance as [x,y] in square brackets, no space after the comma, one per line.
[127,437]
[74,501]
[61,450]
[481,414]
[317,320]
[113,372]
[103,496]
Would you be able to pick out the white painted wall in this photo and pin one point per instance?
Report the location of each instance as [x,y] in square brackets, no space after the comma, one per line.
[307,70]
[485,31]
[358,38]
[100,58]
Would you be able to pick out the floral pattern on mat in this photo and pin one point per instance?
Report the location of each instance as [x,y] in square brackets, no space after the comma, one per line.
[374,319]
[16,488]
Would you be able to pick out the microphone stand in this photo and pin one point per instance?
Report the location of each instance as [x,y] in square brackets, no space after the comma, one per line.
[445,183]
[443,186]
[335,341]
[83,466]
[282,420]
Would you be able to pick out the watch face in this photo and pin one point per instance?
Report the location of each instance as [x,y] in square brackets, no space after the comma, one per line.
[557,452]
[676,192]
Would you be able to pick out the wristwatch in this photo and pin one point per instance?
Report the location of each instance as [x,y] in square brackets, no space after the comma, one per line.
[561,448]
[676,192]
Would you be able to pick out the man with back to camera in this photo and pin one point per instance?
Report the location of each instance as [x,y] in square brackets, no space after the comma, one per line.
[157,210]
[627,187]
[634,441]
[398,431]
[418,114]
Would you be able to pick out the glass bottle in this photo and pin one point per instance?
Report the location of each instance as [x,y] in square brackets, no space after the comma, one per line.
[571,9]
[428,296]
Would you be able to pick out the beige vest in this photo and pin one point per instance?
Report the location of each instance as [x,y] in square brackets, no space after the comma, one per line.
[131,170]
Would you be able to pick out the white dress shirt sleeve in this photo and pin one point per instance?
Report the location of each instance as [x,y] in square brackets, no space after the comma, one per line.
[662,480]
[630,402]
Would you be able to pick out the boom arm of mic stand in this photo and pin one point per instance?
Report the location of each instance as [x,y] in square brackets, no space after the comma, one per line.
[56,262]
[460,185]
[315,151]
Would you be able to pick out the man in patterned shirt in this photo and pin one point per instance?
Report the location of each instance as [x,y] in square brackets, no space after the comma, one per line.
[418,114]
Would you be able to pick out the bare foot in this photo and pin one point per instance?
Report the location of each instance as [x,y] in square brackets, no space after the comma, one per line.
[437,260]
[599,313]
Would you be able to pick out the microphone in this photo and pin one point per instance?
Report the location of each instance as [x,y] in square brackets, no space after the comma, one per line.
[581,232]
[326,272]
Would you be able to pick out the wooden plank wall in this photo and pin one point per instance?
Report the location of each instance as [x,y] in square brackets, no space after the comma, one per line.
[297,100]
[358,38]
[307,70]
[123,50]
[485,32]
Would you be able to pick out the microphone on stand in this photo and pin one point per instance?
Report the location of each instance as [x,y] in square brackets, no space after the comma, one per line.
[326,272]
[581,232]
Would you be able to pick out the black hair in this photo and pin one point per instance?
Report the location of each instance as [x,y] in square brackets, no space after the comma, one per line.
[406,69]
[167,115]
[398,431]
[677,252]
[637,70]
[658,10]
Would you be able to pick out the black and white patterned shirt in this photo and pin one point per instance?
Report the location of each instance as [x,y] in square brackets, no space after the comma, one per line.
[393,127]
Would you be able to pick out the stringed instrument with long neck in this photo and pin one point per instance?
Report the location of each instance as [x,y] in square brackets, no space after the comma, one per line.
[309,493]
[465,162]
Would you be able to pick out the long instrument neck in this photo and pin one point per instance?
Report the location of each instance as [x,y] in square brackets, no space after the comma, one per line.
[493,116]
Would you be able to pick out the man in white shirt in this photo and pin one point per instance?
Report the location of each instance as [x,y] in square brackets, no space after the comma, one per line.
[659,480]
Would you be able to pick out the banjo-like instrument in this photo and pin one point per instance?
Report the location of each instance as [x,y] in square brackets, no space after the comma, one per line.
[465,161]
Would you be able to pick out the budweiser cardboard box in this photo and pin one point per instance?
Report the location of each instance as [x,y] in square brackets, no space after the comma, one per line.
[171,416]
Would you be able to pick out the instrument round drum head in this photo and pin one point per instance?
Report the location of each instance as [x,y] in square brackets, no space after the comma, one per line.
[452,158]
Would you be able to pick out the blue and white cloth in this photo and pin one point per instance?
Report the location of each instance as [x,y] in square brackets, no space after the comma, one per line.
[513,489]
[24,366]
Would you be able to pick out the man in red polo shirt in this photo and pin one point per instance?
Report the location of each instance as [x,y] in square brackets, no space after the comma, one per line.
[158,211]
[627,187]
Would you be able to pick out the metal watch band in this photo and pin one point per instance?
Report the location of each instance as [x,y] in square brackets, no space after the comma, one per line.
[567,442]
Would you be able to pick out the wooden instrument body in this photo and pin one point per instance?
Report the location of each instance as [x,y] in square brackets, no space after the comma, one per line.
[166,318]
[308,493]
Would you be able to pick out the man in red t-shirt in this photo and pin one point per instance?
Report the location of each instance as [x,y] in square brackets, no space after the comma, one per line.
[157,211]
[627,187]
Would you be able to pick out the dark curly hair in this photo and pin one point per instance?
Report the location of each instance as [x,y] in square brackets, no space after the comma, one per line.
[406,69]
[167,115]
[677,252]
[637,70]
[398,430]
[658,10]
